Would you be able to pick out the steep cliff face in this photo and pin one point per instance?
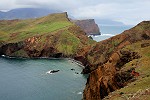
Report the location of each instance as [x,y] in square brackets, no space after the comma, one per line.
[105,79]
[89,26]
[50,36]
[108,58]
[100,52]
[137,87]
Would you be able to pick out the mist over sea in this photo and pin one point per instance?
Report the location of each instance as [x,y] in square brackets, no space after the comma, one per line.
[108,31]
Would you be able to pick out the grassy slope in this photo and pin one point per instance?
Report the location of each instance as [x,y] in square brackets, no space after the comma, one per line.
[136,90]
[54,30]
[17,30]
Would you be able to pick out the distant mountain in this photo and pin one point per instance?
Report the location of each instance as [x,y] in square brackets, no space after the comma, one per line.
[24,13]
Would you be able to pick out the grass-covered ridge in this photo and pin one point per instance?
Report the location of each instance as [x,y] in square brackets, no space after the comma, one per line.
[44,36]
[16,30]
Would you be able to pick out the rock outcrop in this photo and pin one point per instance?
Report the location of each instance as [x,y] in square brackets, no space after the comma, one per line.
[108,58]
[105,79]
[89,26]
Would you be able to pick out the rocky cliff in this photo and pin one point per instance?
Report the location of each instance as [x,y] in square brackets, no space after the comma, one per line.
[107,60]
[89,26]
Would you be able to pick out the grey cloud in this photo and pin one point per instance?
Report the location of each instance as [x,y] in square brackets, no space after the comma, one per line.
[126,11]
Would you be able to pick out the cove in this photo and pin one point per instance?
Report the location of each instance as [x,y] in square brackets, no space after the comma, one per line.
[26,79]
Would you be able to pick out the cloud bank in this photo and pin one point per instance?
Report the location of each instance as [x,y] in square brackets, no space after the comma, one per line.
[126,11]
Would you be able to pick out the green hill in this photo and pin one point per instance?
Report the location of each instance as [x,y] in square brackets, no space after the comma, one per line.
[21,29]
[54,33]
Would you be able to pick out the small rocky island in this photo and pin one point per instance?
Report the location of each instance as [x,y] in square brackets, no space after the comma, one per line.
[109,63]
[52,71]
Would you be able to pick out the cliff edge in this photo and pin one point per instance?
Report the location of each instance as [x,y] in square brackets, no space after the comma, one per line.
[118,62]
[88,25]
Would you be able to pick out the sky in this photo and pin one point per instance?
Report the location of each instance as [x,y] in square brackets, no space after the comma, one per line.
[130,12]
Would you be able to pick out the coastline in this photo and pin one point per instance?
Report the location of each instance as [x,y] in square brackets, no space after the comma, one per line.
[49,58]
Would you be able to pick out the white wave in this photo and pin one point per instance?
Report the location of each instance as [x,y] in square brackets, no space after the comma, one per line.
[3,55]
[79,93]
[107,35]
[96,35]
[49,72]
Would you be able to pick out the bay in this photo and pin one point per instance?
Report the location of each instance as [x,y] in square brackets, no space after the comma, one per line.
[26,79]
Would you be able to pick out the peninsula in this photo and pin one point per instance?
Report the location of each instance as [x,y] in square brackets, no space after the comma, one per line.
[119,64]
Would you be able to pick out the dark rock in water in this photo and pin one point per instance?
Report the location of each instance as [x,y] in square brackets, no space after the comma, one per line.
[76,73]
[54,71]
[72,69]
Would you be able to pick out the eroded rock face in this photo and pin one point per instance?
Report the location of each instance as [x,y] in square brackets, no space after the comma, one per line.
[89,26]
[145,45]
[106,77]
[8,49]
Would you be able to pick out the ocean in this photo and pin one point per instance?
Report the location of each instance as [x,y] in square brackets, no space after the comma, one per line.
[109,31]
[28,79]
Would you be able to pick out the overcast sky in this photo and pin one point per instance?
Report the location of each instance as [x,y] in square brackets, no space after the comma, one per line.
[126,11]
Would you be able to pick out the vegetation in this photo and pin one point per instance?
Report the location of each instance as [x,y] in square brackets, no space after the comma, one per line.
[18,30]
[140,87]
[54,31]
[20,53]
[142,26]
[68,43]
